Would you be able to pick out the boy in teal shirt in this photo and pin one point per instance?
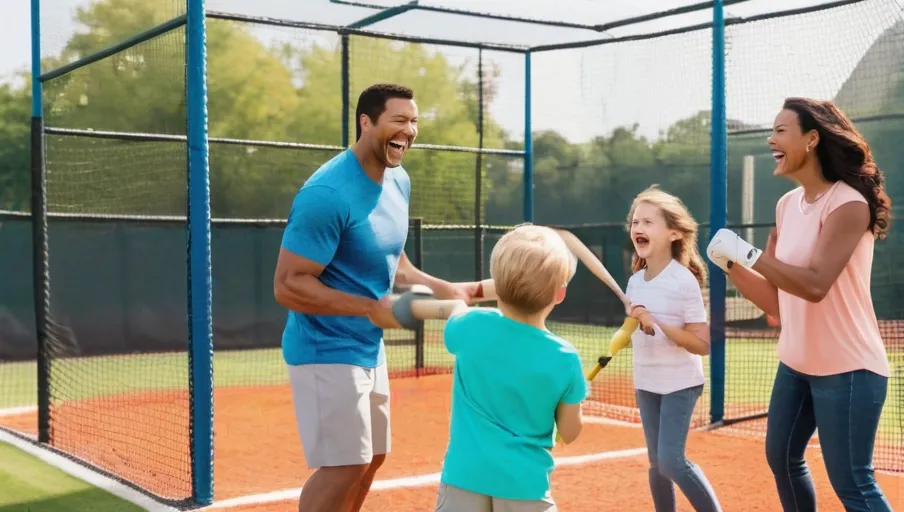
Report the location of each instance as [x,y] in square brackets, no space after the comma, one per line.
[514,382]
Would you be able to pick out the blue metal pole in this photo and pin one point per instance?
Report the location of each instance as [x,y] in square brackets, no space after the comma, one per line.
[37,99]
[383,15]
[528,145]
[199,271]
[717,216]
[40,271]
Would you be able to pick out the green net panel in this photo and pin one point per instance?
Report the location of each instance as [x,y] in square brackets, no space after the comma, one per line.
[281,99]
[117,344]
[853,56]
[616,147]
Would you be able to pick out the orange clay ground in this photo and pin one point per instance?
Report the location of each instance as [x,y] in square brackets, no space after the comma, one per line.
[257,451]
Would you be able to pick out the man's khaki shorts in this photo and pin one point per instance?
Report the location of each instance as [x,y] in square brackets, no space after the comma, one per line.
[342,413]
[454,499]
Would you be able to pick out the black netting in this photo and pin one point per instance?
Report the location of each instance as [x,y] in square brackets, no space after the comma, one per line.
[853,57]
[607,121]
[588,172]
[117,329]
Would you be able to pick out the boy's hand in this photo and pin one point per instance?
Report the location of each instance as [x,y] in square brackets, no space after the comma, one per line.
[644,318]
[459,291]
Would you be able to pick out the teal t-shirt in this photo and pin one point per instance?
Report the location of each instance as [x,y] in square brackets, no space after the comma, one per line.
[508,380]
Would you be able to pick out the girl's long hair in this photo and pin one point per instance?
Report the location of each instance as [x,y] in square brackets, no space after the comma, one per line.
[677,217]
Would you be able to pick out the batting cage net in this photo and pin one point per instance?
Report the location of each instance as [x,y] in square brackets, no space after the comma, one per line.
[155,330]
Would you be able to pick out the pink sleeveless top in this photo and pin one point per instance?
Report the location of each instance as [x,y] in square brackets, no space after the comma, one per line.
[840,333]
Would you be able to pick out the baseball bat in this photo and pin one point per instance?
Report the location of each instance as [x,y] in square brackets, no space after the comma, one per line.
[418,304]
[583,253]
[435,309]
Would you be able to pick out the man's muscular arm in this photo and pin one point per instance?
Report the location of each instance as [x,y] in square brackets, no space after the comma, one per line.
[312,235]
[296,286]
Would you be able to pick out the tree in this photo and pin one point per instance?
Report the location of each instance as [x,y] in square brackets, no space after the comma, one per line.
[143,90]
[445,91]
[15,179]
[287,92]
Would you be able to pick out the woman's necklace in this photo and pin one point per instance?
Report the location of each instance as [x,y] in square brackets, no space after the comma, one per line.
[805,206]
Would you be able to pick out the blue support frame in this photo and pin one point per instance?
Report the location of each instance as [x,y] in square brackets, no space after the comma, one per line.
[383,15]
[37,96]
[528,145]
[199,269]
[717,216]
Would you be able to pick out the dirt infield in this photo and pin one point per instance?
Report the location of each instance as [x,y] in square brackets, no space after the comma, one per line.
[257,450]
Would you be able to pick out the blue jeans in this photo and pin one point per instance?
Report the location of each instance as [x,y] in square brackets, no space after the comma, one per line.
[846,409]
[666,420]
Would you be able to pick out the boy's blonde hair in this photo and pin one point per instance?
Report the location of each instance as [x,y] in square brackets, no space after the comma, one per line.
[529,265]
[677,217]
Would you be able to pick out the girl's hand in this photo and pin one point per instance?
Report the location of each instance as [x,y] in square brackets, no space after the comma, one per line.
[644,317]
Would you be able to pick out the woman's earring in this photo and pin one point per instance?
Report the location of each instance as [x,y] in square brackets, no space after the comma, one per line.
[808,149]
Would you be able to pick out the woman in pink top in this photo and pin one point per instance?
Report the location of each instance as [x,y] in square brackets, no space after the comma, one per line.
[815,277]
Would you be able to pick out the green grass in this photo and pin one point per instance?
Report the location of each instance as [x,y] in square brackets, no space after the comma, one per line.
[30,485]
[750,366]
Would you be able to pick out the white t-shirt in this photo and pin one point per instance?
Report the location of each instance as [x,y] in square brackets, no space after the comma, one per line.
[673,298]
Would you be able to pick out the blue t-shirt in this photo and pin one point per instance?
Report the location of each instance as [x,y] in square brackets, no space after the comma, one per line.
[357,229]
[508,380]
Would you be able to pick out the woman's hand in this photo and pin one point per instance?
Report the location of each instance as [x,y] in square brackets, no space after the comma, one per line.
[644,317]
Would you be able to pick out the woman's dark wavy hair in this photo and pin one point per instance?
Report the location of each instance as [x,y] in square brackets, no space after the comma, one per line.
[845,156]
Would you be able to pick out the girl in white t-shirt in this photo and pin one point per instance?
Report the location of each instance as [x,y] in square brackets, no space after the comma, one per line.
[673,335]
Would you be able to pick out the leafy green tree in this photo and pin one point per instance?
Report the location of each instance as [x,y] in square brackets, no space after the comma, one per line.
[143,90]
[15,178]
[287,92]
[443,181]
[291,91]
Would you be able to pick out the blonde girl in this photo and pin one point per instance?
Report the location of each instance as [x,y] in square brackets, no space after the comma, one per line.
[666,299]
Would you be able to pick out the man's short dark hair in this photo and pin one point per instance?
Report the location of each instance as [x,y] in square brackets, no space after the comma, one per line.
[372,102]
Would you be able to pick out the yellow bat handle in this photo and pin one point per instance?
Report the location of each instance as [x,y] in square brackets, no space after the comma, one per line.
[622,336]
[592,375]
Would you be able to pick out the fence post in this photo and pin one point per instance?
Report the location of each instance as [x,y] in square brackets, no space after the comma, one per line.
[528,145]
[717,216]
[417,224]
[200,334]
[478,176]
[39,255]
[345,94]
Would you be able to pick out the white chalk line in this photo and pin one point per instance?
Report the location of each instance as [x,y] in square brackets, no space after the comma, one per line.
[76,470]
[596,420]
[413,481]
[127,493]
[15,411]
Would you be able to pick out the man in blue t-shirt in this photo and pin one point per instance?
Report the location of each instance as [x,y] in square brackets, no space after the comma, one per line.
[342,249]
[514,382]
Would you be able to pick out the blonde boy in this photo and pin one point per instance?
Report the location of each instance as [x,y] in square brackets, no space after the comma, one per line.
[514,382]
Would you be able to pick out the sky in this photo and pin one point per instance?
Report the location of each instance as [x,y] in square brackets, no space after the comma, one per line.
[582,93]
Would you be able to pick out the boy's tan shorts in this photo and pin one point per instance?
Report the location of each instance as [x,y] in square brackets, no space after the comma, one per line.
[454,499]
[342,413]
